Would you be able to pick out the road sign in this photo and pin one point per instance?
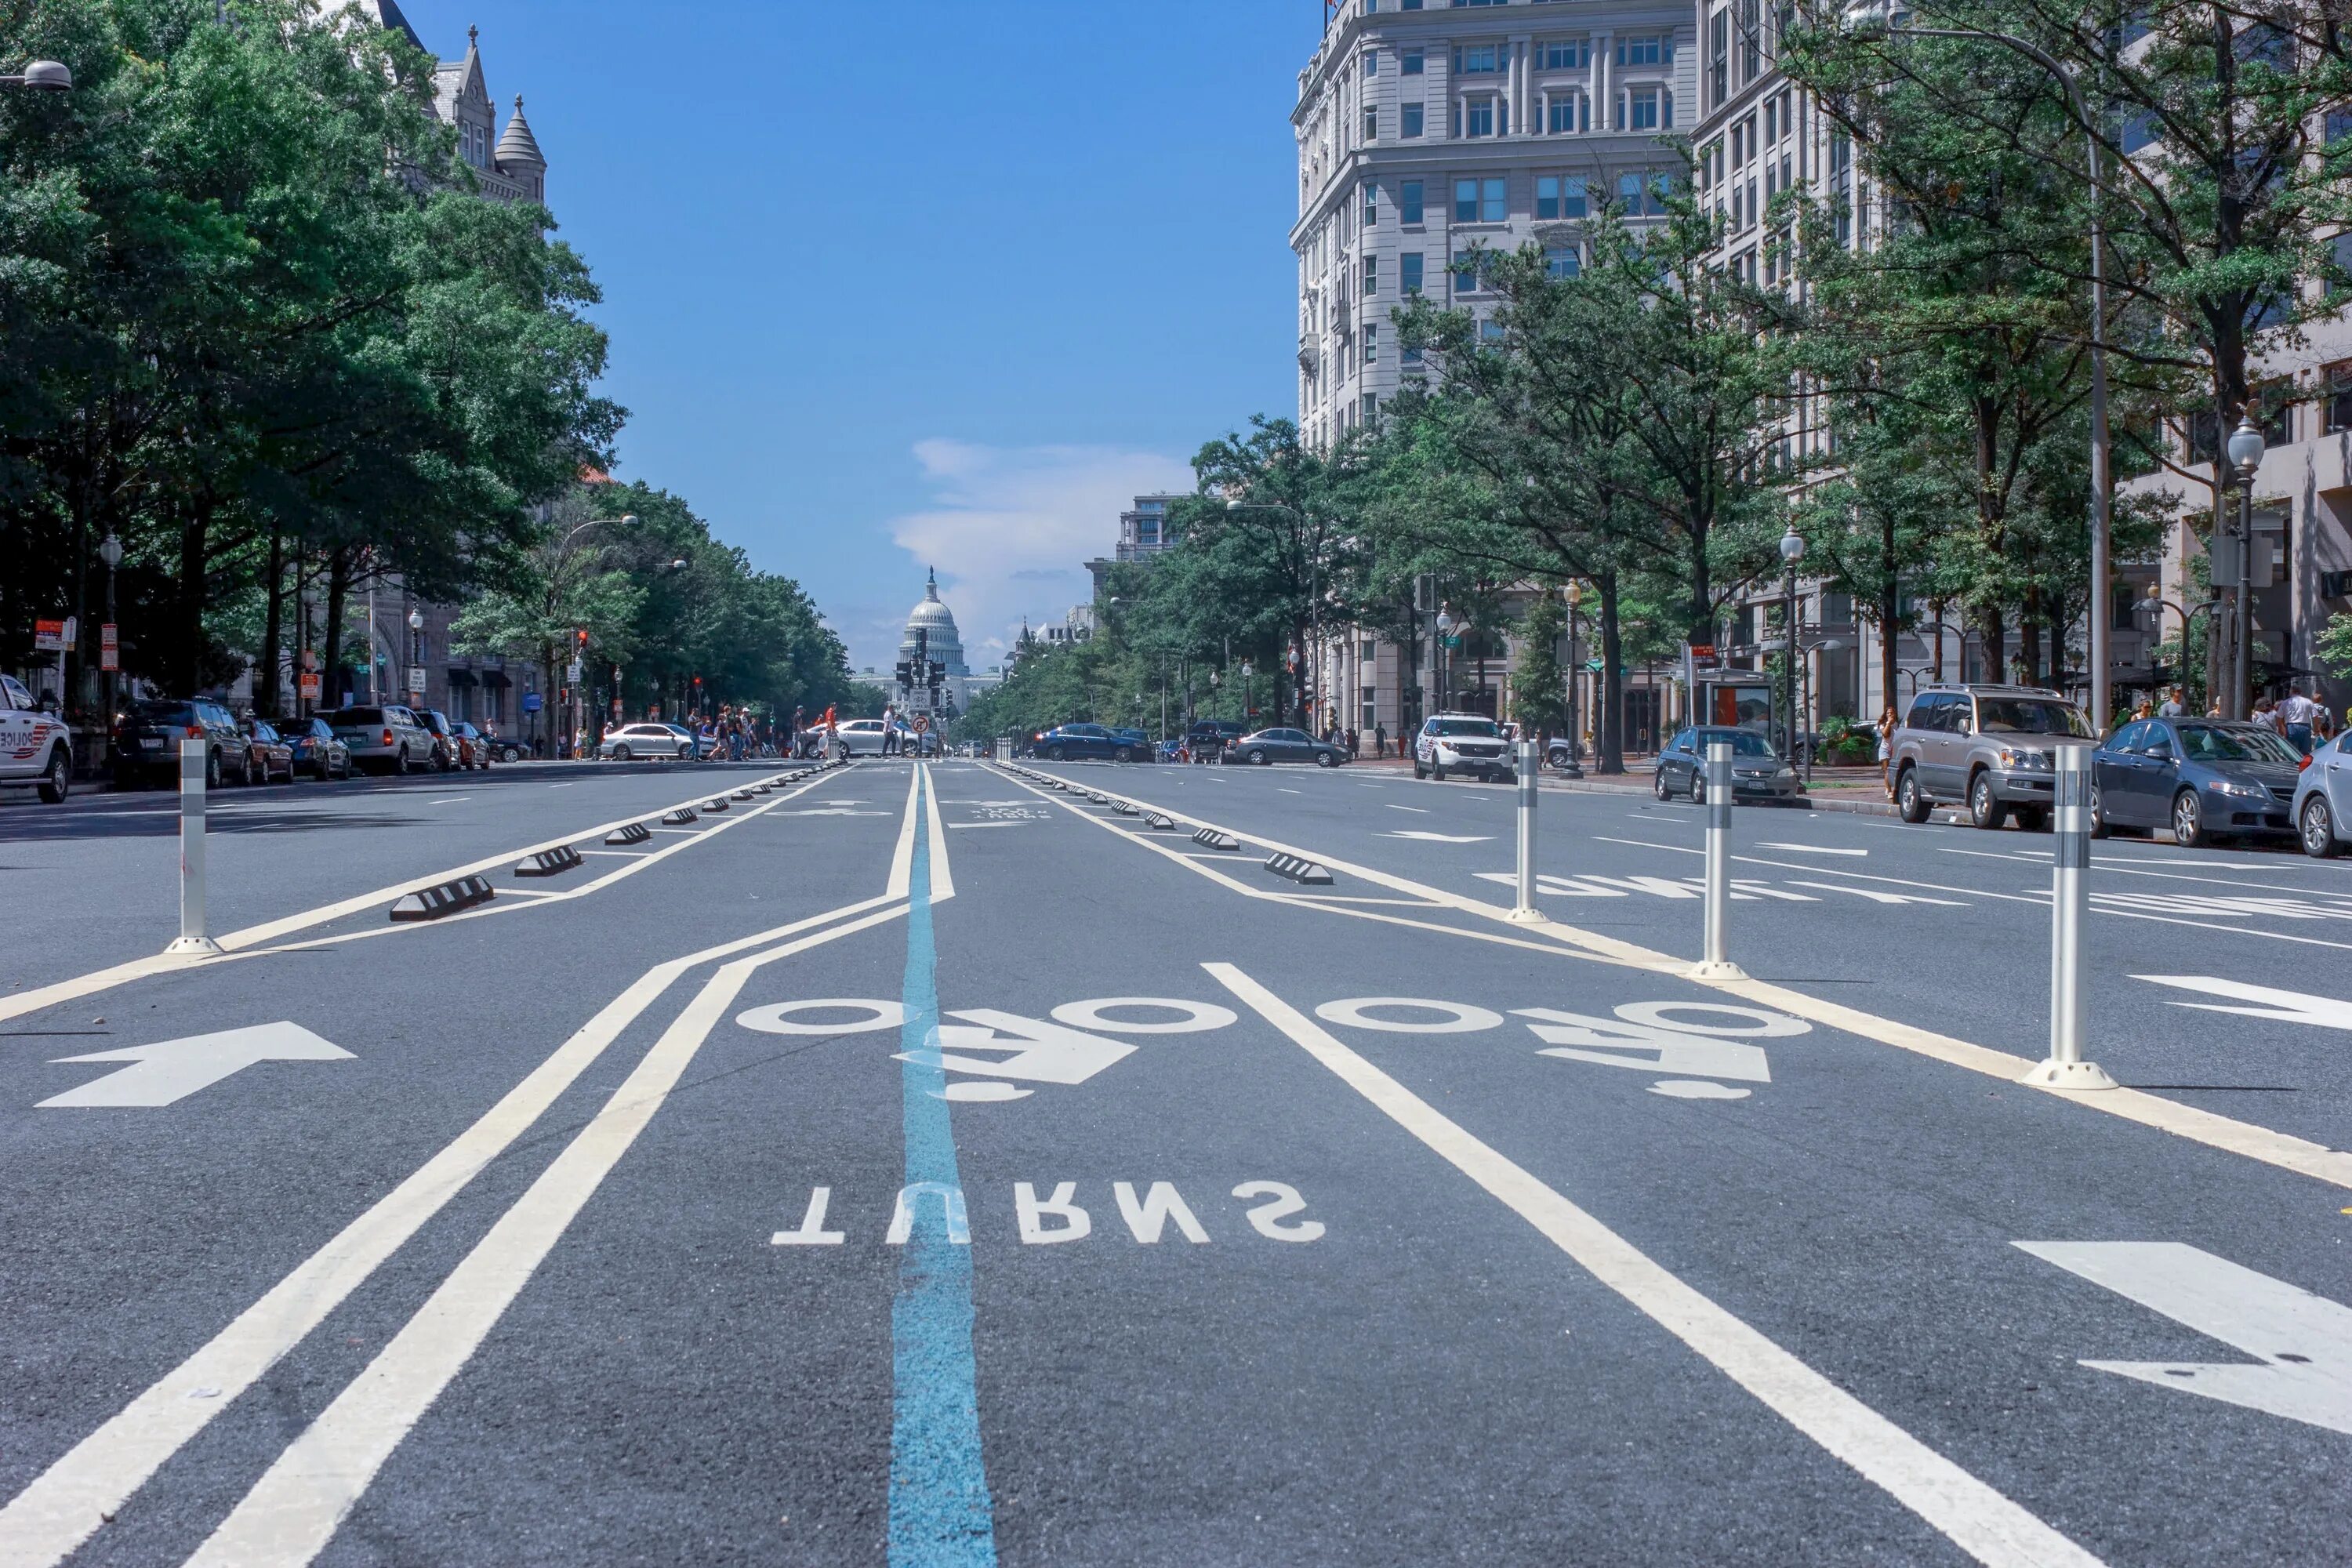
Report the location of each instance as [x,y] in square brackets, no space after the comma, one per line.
[52,637]
[2301,1342]
[109,651]
[530,703]
[307,686]
[170,1070]
[571,670]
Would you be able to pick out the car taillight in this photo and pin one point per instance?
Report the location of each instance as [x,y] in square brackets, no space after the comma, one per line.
[387,737]
[2303,764]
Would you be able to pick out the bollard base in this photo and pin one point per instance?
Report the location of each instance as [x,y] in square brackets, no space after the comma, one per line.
[194,947]
[1530,917]
[2055,1074]
[1726,970]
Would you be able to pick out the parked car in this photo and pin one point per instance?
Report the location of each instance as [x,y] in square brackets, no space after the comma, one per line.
[266,755]
[444,737]
[36,746]
[2322,800]
[1208,737]
[648,740]
[2204,779]
[1065,742]
[1757,771]
[1174,750]
[504,750]
[473,747]
[147,734]
[317,752]
[859,737]
[388,738]
[1991,747]
[1267,747]
[1462,743]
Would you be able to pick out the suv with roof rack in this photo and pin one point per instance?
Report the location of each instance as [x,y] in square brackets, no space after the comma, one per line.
[1992,749]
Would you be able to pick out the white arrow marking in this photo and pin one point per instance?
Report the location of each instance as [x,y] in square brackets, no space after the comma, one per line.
[2287,1006]
[1876,897]
[1039,1052]
[1813,850]
[174,1070]
[1441,837]
[2303,1341]
[1617,1043]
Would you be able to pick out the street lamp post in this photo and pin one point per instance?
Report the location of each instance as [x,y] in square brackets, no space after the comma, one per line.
[1574,595]
[415,656]
[40,76]
[1438,664]
[1871,17]
[110,550]
[2245,456]
[1792,550]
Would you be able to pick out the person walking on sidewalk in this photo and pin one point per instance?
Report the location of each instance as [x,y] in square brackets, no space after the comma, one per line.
[1380,739]
[890,731]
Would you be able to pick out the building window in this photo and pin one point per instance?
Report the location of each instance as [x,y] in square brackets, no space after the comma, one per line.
[1480,59]
[1719,57]
[1409,202]
[1370,405]
[1568,55]
[1481,118]
[1371,62]
[1466,270]
[1480,201]
[1561,261]
[1629,194]
[1371,341]
[1558,196]
[1371,275]
[1644,49]
[1568,113]
[1371,123]
[1644,104]
[1409,273]
[1411,119]
[1751,40]
[1490,330]
[1465,201]
[1413,65]
[2336,411]
[1371,204]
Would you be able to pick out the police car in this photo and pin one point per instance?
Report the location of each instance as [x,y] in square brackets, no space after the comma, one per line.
[36,748]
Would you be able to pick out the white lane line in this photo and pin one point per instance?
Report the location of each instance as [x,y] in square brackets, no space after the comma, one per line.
[2246,1138]
[449,800]
[294,1509]
[942,878]
[65,1504]
[1286,791]
[1645,844]
[902,858]
[1978,1519]
[1813,850]
[563,785]
[955,825]
[618,854]
[1416,810]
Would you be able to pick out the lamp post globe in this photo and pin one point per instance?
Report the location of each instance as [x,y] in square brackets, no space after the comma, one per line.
[41,76]
[110,550]
[2246,447]
[1792,547]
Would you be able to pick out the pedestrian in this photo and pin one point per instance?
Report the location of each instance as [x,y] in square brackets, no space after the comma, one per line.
[889,731]
[2144,708]
[2173,706]
[2294,716]
[1380,739]
[1886,722]
[1353,752]
[2266,714]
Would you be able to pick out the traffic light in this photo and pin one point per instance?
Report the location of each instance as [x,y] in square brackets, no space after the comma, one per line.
[583,635]
[938,674]
[905,672]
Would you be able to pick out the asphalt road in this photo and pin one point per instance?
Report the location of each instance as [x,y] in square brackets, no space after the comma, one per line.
[923,1166]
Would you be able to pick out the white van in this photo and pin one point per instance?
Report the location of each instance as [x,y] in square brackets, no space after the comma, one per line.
[36,748]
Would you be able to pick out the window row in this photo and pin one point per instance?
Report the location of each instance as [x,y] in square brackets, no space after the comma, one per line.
[1630,50]
[1485,199]
[1483,117]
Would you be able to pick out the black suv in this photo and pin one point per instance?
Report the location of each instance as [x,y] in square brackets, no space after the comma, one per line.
[1207,739]
[148,735]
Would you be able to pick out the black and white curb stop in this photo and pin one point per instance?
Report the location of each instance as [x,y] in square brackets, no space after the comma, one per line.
[1298,871]
[550,862]
[1159,823]
[447,898]
[1125,808]
[1214,840]
[742,795]
[716,804]
[1098,797]
[680,817]
[635,833]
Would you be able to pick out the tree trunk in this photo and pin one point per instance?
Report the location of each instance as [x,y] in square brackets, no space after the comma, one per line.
[1609,736]
[189,613]
[2029,636]
[273,630]
[1994,629]
[331,638]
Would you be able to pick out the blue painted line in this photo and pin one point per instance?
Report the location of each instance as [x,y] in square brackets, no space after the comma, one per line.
[941,1513]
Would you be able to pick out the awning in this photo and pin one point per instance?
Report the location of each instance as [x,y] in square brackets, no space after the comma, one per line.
[459,678]
[496,678]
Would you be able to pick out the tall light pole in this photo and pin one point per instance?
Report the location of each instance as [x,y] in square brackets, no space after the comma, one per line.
[1437,664]
[110,550]
[1792,550]
[2245,456]
[415,656]
[40,76]
[1872,18]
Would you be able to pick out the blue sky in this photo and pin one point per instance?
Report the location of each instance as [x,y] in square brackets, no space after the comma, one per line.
[920,282]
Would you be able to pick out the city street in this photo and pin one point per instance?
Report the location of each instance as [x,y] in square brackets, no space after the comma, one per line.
[920,1164]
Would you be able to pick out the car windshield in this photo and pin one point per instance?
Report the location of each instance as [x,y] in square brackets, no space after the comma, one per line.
[1485,727]
[2211,743]
[2029,716]
[163,712]
[358,718]
[1744,743]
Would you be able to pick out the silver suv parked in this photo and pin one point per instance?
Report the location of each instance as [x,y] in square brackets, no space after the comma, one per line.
[390,737]
[1992,748]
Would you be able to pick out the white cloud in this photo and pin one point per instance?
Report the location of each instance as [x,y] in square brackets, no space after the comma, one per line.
[1010,530]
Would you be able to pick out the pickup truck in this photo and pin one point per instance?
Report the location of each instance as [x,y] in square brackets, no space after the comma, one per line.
[36,747]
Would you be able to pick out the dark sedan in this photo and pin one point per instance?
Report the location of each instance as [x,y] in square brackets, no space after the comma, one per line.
[2204,779]
[1065,742]
[317,752]
[1757,771]
[1268,747]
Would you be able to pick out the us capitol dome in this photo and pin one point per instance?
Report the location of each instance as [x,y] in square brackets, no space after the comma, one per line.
[942,644]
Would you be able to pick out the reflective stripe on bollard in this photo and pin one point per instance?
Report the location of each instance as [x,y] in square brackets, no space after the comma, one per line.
[2070,901]
[193,940]
[1717,964]
[1527,912]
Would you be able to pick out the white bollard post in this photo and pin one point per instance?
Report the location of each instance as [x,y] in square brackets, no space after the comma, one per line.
[2070,901]
[1527,913]
[193,943]
[1718,965]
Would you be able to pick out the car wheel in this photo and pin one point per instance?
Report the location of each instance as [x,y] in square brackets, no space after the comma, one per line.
[1698,788]
[620,753]
[212,770]
[1256,758]
[1418,771]
[1057,753]
[326,771]
[57,780]
[1327,758]
[2318,829]
[2098,815]
[1438,770]
[1985,808]
[1910,803]
[400,762]
[1658,785]
[2189,829]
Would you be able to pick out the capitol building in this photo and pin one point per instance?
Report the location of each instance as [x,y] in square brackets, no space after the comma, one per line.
[931,634]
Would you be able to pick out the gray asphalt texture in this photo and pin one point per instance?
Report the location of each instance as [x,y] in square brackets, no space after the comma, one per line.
[1428,1380]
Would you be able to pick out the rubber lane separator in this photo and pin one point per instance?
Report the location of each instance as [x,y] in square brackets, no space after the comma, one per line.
[550,862]
[714,805]
[635,833]
[680,817]
[1214,840]
[443,899]
[1159,822]
[1298,870]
